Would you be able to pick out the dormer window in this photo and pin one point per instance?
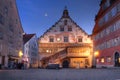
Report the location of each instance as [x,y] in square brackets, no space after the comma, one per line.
[65,22]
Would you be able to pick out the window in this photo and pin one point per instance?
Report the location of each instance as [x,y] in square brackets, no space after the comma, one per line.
[79,39]
[61,28]
[102,60]
[69,28]
[109,15]
[65,22]
[97,60]
[0,46]
[101,21]
[16,21]
[118,7]
[66,39]
[11,28]
[114,11]
[6,10]
[1,35]
[112,1]
[1,19]
[58,39]
[51,39]
[109,59]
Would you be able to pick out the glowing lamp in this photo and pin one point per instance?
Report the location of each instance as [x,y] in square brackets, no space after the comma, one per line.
[20,54]
[96,53]
[58,39]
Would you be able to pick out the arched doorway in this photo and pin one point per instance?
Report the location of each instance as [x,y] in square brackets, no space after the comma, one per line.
[117,62]
[65,64]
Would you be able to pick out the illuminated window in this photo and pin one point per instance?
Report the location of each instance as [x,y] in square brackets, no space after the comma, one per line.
[109,59]
[47,51]
[66,39]
[58,39]
[102,60]
[97,60]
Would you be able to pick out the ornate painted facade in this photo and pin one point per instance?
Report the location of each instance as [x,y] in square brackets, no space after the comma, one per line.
[106,34]
[66,43]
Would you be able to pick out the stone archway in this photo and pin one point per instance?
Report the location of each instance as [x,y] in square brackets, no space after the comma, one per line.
[65,64]
[116,57]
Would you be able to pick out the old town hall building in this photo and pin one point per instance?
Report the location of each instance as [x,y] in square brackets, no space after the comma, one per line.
[106,34]
[66,43]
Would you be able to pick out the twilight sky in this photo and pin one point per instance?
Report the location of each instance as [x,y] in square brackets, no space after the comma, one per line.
[38,15]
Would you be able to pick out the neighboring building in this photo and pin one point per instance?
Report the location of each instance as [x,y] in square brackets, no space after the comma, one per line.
[30,55]
[11,39]
[106,34]
[66,43]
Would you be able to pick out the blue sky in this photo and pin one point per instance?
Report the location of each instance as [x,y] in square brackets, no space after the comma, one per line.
[38,15]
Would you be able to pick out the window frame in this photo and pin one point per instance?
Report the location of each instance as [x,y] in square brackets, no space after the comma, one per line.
[66,39]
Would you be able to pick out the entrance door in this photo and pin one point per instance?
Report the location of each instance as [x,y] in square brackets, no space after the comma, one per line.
[82,63]
[3,60]
[117,63]
[65,64]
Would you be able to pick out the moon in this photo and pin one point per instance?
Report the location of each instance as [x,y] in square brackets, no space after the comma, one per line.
[46,14]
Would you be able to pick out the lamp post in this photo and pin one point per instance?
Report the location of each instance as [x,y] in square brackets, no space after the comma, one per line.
[20,55]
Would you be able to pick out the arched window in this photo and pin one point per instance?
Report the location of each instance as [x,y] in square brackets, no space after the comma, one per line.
[117,59]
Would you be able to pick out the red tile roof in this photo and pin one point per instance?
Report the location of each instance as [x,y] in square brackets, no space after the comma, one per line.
[27,37]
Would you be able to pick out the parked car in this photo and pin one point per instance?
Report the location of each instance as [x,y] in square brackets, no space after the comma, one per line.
[53,66]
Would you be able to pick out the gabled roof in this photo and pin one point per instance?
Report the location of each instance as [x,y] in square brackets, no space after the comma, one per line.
[64,15]
[27,37]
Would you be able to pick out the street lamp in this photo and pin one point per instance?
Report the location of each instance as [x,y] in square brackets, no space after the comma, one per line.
[96,53]
[20,53]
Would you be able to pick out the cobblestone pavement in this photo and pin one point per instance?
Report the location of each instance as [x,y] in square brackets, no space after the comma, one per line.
[62,74]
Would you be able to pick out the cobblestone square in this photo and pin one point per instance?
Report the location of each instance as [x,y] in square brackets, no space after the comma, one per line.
[62,74]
